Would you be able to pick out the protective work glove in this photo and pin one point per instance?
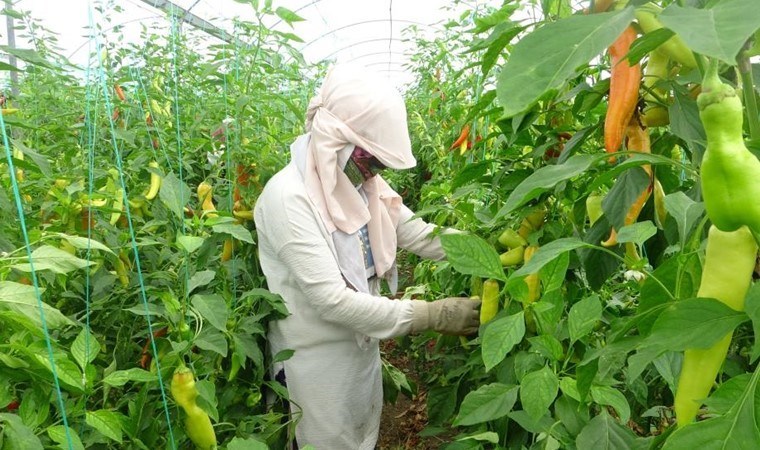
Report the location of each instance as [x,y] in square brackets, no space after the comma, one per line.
[453,315]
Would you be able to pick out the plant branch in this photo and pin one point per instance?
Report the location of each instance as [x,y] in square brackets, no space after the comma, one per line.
[748,88]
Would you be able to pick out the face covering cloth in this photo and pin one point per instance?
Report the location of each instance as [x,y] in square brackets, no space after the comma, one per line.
[357,107]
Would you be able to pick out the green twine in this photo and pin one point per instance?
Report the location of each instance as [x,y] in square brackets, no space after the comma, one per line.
[175,79]
[231,172]
[91,128]
[117,156]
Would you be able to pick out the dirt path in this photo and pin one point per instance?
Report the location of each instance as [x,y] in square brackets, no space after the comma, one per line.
[402,421]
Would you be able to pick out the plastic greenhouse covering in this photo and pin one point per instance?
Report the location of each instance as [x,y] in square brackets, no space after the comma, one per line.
[368,32]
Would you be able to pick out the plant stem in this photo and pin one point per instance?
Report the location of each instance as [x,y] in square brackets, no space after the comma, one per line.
[748,88]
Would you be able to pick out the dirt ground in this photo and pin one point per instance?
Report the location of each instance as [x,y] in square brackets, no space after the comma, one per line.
[401,422]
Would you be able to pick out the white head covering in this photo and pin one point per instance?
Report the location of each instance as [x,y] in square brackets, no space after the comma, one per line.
[357,107]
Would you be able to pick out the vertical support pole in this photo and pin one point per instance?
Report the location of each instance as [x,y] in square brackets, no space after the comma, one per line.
[11,44]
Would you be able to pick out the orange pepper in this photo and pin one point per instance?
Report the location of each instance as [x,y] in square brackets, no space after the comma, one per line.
[462,139]
[624,91]
[638,140]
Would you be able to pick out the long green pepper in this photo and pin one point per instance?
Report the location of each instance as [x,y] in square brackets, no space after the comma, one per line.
[731,189]
[726,276]
[730,172]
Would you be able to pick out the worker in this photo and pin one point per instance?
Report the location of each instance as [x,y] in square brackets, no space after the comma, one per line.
[328,229]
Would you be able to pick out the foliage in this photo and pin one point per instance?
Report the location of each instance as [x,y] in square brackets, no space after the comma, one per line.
[107,285]
[586,349]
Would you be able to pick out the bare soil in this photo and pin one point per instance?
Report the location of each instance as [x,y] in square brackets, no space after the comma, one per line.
[403,420]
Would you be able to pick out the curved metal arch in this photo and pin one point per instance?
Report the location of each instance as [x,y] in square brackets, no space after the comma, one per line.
[314,2]
[377,53]
[393,70]
[365,22]
[366,41]
[385,63]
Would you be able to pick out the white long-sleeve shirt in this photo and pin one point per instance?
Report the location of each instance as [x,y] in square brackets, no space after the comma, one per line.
[334,377]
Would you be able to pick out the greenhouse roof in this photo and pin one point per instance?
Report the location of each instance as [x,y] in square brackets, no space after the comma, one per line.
[369,32]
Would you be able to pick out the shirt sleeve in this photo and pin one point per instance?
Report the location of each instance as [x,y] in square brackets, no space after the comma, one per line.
[416,235]
[312,264]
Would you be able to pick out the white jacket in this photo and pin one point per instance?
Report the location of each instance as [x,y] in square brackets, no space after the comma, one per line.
[334,377]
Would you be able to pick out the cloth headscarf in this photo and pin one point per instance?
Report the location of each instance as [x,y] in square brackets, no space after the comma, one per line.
[357,107]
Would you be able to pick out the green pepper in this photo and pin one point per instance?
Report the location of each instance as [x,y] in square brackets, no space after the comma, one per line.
[490,305]
[730,173]
[674,47]
[197,423]
[726,276]
[594,207]
[509,238]
[655,114]
[512,257]
[661,213]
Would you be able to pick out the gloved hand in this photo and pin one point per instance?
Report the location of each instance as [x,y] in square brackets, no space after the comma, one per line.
[453,315]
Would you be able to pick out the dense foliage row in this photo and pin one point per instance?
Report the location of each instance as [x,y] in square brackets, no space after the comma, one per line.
[568,144]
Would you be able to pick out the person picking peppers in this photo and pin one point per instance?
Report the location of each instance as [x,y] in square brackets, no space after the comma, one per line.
[329,227]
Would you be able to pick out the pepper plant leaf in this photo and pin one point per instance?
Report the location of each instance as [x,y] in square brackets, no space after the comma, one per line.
[544,179]
[693,323]
[718,32]
[488,402]
[550,55]
[472,255]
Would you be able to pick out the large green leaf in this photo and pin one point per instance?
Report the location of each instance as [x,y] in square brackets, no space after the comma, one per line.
[212,309]
[607,395]
[16,435]
[84,243]
[23,300]
[471,255]
[54,259]
[85,348]
[604,433]
[58,434]
[28,55]
[550,55]
[68,373]
[35,156]
[213,340]
[583,317]
[500,336]
[546,254]
[727,394]
[107,422]
[598,264]
[752,307]
[718,32]
[544,179]
[246,444]
[487,403]
[121,377]
[693,323]
[685,122]
[288,15]
[174,194]
[637,232]
[190,243]
[538,390]
[200,279]
[235,230]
